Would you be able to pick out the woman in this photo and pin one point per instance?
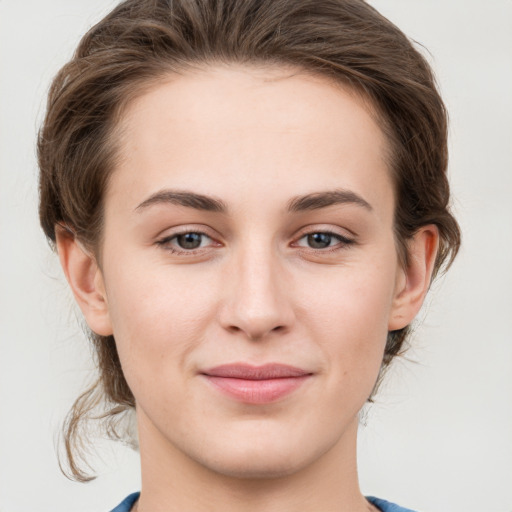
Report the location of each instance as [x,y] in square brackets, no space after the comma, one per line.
[249,201]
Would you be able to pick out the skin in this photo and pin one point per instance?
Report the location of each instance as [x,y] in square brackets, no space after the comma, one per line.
[254,291]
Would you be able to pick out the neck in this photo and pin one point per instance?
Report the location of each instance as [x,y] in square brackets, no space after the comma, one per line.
[172,481]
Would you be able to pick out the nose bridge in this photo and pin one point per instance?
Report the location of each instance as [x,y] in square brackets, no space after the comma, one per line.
[257,303]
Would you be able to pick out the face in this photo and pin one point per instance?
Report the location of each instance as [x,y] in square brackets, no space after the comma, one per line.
[248,266]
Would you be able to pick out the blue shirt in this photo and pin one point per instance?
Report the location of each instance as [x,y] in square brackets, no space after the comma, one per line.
[383,505]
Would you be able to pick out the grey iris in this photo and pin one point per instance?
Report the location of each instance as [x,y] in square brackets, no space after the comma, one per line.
[189,240]
[319,240]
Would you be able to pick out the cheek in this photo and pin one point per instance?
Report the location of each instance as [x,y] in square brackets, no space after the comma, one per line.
[350,317]
[354,300]
[158,315]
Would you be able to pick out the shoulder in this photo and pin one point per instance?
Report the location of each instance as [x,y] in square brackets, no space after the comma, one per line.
[386,506]
[127,503]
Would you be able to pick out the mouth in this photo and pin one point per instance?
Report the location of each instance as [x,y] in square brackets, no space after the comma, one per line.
[256,384]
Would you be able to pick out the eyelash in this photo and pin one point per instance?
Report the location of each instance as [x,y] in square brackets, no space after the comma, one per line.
[343,242]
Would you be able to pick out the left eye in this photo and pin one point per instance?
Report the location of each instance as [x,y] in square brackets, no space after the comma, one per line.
[322,240]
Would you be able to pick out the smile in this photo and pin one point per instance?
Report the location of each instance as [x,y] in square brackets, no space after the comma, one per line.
[256,384]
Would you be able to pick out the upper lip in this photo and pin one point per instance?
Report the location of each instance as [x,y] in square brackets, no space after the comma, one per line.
[251,372]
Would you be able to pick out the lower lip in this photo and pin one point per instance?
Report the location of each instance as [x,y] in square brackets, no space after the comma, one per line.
[257,391]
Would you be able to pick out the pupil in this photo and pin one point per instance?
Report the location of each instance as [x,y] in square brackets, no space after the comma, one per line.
[189,240]
[319,240]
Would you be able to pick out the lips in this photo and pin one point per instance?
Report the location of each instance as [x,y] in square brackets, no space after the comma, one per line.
[256,384]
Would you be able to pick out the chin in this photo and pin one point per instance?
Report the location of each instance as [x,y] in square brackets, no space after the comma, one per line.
[258,456]
[254,466]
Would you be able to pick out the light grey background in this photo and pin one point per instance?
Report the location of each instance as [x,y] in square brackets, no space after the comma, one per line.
[439,438]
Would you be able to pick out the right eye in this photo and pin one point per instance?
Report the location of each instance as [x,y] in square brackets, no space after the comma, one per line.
[188,241]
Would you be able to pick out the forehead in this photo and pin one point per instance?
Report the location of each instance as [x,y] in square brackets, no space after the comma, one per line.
[240,130]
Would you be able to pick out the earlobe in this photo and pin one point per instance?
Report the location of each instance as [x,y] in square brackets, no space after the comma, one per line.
[86,281]
[413,281]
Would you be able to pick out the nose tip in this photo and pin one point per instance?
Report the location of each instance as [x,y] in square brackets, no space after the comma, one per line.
[257,304]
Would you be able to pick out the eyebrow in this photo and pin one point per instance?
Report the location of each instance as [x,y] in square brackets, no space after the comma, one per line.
[319,200]
[313,201]
[183,198]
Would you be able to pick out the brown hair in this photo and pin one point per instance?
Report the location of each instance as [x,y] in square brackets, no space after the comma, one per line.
[141,41]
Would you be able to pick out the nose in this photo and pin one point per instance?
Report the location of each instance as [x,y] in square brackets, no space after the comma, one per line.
[257,299]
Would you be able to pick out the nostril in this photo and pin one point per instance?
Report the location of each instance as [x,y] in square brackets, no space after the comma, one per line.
[255,333]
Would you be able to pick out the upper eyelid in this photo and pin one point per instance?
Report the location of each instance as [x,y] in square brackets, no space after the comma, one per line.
[308,230]
[326,232]
[323,230]
[174,231]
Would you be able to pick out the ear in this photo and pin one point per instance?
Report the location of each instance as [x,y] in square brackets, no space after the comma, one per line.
[85,279]
[413,282]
